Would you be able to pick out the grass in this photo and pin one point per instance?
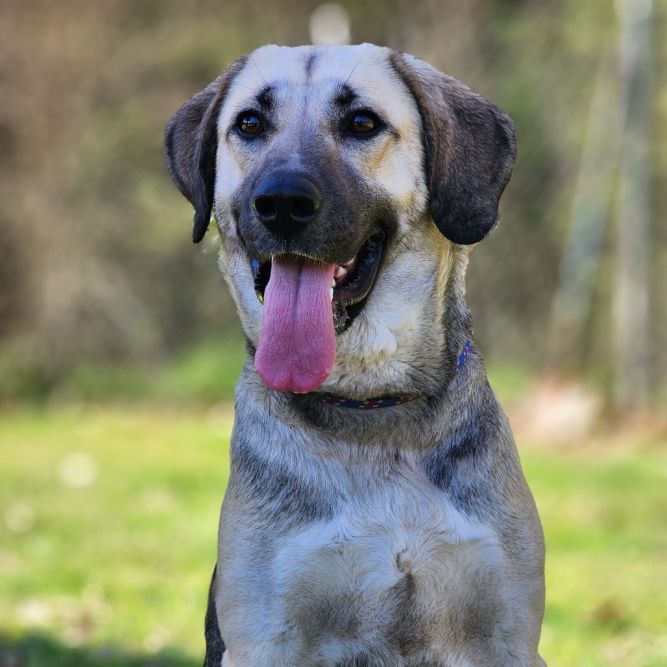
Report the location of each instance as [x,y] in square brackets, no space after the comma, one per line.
[187,377]
[107,540]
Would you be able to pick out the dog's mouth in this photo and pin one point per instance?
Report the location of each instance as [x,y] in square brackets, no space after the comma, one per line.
[350,287]
[306,304]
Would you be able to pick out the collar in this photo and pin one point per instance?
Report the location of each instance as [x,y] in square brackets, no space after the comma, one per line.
[387,401]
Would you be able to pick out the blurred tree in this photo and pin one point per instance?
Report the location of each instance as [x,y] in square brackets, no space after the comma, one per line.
[96,261]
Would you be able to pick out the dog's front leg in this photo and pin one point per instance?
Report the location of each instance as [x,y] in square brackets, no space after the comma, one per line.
[215,646]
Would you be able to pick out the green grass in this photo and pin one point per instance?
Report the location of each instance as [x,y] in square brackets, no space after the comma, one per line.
[105,558]
[187,377]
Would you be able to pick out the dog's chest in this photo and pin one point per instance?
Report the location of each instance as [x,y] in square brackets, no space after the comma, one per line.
[391,575]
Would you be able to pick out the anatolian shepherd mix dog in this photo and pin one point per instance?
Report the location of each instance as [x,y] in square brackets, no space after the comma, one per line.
[376,512]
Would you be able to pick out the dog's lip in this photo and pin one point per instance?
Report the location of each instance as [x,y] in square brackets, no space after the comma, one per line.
[352,282]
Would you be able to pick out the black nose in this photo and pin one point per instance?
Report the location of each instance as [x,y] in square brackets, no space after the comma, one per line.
[286,202]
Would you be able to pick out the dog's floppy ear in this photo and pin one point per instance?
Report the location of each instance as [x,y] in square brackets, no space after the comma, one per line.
[469,147]
[191,143]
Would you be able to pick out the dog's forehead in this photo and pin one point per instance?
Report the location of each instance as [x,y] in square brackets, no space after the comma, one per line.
[320,72]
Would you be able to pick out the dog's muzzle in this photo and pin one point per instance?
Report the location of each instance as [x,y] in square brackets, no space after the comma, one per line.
[315,255]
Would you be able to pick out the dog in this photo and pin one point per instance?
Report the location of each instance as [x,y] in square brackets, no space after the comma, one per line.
[376,512]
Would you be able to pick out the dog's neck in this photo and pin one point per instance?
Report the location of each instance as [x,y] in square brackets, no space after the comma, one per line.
[432,390]
[435,417]
[427,376]
[391,401]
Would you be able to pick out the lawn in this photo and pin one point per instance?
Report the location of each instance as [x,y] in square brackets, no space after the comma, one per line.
[107,539]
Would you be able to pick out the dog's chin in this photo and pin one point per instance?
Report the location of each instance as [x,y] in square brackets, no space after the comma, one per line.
[352,283]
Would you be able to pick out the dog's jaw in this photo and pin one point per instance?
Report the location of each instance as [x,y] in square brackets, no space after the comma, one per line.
[386,348]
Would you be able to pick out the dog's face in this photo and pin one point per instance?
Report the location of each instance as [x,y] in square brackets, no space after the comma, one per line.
[326,169]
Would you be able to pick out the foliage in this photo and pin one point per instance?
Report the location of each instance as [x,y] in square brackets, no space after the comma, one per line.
[97,267]
[202,374]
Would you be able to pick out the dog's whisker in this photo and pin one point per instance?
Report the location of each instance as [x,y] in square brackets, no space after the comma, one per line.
[242,85]
[349,76]
[259,71]
[405,245]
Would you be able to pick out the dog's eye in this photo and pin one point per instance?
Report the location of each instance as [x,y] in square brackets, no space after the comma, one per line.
[363,123]
[249,123]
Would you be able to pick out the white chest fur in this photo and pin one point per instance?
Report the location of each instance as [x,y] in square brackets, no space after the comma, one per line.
[396,573]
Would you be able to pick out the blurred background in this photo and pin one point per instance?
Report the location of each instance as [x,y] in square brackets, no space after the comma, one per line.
[120,347]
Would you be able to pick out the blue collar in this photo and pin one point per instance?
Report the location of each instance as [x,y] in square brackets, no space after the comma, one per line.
[387,401]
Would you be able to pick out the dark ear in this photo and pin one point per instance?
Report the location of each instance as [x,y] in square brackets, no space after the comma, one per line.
[191,143]
[469,147]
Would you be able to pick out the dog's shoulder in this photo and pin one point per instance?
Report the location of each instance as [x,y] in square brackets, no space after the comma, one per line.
[476,458]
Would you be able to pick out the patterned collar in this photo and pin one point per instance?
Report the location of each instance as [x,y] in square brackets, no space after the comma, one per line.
[387,401]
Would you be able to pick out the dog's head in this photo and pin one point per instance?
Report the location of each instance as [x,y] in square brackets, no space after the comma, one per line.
[326,169]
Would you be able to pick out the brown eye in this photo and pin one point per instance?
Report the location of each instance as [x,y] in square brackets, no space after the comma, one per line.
[364,123]
[249,123]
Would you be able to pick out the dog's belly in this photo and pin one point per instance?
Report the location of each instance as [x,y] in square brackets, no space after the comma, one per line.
[400,578]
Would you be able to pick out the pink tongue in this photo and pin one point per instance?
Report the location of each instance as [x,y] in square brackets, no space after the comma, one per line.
[297,342]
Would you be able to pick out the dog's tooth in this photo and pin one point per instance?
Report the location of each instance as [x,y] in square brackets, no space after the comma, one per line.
[341,272]
[331,289]
[333,282]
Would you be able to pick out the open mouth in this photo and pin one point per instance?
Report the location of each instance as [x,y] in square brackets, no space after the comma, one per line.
[306,304]
[351,285]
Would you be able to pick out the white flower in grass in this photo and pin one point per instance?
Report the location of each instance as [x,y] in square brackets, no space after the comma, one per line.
[77,470]
[19,518]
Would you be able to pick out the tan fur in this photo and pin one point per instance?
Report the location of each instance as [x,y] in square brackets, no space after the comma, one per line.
[371,553]
[386,332]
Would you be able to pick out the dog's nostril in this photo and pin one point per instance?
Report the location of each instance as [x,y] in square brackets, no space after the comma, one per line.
[286,203]
[303,208]
[266,207]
